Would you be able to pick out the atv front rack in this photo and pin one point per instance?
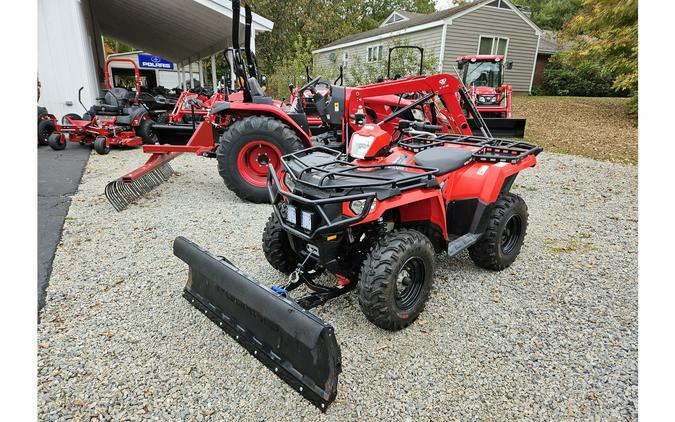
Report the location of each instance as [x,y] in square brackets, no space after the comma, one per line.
[359,175]
[490,150]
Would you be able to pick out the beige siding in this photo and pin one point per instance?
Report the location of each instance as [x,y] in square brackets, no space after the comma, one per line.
[463,34]
[429,39]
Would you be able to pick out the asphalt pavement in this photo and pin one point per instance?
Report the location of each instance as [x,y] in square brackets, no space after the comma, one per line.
[59,174]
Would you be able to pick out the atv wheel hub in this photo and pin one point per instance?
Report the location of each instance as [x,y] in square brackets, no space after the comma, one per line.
[409,282]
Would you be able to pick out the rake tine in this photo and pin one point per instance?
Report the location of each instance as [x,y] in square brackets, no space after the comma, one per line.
[120,193]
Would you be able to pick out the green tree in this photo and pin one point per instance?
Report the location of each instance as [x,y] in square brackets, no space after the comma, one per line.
[551,14]
[404,62]
[606,32]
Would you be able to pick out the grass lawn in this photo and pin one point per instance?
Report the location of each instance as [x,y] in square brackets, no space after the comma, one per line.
[599,128]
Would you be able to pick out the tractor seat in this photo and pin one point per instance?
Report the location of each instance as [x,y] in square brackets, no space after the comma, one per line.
[445,159]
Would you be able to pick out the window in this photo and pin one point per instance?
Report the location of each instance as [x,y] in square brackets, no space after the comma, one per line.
[394,18]
[374,53]
[345,59]
[493,45]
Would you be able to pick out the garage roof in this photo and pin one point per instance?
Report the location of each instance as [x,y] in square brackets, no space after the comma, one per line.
[178,30]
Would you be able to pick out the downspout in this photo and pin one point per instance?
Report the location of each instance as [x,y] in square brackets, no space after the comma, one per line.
[534,66]
[441,55]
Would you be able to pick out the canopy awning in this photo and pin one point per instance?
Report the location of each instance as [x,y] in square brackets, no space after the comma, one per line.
[177,30]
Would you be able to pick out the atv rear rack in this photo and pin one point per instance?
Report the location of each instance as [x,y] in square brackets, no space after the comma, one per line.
[490,150]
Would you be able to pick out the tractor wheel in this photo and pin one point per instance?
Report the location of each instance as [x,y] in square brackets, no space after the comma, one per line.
[45,129]
[144,130]
[277,248]
[71,116]
[245,150]
[57,141]
[396,279]
[101,146]
[500,244]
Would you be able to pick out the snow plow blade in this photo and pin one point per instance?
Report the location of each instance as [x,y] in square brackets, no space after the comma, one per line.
[501,128]
[293,343]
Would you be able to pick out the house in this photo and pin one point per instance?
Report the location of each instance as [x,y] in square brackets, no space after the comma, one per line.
[548,46]
[480,27]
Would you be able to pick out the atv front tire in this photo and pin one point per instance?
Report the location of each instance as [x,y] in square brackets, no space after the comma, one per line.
[500,244]
[277,248]
[246,148]
[396,278]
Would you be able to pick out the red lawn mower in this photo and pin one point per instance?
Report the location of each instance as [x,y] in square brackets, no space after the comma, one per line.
[248,134]
[483,75]
[373,218]
[46,122]
[121,119]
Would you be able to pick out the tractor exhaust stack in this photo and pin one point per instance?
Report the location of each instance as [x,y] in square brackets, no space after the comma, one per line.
[297,346]
[133,185]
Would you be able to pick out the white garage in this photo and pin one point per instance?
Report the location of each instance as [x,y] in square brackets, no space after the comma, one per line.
[70,48]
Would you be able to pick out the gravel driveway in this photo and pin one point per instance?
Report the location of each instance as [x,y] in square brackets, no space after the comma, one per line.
[553,336]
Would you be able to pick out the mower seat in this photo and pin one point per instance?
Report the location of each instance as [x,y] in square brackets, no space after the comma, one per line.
[445,159]
[257,94]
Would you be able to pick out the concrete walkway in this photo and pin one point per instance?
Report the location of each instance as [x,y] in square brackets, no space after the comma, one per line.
[59,174]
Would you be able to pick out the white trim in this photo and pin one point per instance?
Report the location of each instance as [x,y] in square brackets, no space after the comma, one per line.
[384,22]
[224,7]
[381,36]
[498,37]
[534,65]
[441,55]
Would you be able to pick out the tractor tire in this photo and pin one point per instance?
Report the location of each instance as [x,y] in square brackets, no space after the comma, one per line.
[245,149]
[144,130]
[277,248]
[101,146]
[45,128]
[56,141]
[72,116]
[504,236]
[396,278]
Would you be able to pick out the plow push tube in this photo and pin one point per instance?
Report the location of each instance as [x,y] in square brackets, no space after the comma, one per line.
[297,346]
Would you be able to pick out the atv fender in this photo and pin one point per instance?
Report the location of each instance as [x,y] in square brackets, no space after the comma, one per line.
[251,109]
[484,180]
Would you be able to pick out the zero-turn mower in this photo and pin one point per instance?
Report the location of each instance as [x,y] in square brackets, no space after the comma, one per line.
[373,218]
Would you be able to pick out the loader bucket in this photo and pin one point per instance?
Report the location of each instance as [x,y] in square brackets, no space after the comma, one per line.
[500,128]
[128,188]
[296,345]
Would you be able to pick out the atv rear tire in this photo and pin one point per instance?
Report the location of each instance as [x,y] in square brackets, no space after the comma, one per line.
[72,116]
[144,130]
[260,138]
[57,141]
[101,146]
[500,244]
[277,248]
[396,278]
[45,128]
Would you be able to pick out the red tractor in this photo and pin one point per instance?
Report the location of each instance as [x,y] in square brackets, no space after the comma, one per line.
[483,75]
[121,119]
[247,135]
[375,219]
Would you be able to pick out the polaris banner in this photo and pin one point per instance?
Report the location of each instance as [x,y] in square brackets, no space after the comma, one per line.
[153,62]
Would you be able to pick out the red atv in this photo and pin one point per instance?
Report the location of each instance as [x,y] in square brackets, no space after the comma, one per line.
[374,222]
[483,75]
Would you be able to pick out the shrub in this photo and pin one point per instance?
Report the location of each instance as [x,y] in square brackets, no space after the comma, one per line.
[584,79]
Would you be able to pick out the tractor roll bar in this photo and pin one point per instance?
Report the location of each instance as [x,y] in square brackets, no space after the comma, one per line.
[414,47]
[137,75]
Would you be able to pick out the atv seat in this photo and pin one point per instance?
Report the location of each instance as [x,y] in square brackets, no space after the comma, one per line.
[445,159]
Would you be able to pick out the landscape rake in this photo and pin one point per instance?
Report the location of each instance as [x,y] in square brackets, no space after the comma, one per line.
[128,188]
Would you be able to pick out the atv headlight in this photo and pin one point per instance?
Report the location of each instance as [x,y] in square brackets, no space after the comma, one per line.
[359,145]
[357,206]
[291,214]
[306,220]
[289,182]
